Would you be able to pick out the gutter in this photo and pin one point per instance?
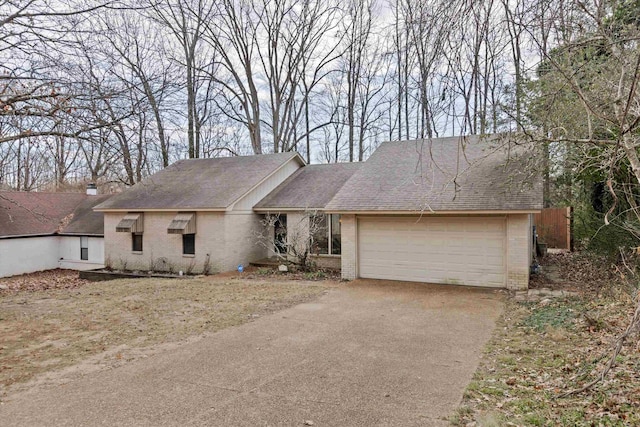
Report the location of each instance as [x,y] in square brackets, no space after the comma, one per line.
[27,236]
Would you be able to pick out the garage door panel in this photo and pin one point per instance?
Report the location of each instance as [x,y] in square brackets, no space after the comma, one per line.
[461,250]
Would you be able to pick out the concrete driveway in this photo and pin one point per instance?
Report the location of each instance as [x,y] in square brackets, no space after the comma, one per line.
[369,353]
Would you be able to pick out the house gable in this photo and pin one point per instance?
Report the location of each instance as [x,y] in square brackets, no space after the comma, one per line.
[267,185]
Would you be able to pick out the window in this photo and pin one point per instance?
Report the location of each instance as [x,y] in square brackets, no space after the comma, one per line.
[280,234]
[84,248]
[336,238]
[188,244]
[326,234]
[136,242]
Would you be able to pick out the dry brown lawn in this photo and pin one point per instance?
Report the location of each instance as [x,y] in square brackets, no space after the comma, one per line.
[541,350]
[46,328]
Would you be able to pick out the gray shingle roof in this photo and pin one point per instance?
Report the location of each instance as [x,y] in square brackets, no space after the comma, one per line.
[31,213]
[311,187]
[199,183]
[85,220]
[444,174]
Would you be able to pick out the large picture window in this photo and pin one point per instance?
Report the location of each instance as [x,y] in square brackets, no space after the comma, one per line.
[326,235]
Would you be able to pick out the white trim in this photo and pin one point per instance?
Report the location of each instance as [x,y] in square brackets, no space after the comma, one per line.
[24,236]
[240,213]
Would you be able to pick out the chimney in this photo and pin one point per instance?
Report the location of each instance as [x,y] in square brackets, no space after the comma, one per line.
[92,190]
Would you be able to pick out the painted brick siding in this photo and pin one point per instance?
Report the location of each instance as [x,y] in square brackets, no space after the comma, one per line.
[518,251]
[349,247]
[297,231]
[69,247]
[223,241]
[329,262]
[163,251]
[242,231]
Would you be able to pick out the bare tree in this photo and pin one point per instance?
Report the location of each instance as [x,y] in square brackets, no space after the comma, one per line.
[281,47]
[31,32]
[138,53]
[587,97]
[186,20]
[300,238]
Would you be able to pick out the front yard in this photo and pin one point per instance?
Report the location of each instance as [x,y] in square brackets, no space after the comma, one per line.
[542,349]
[53,320]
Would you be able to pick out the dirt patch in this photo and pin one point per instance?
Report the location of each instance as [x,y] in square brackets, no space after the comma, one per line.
[47,327]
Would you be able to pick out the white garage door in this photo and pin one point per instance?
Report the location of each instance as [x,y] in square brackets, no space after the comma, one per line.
[454,250]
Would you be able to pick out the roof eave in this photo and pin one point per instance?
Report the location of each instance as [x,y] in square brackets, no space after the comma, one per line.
[431,212]
[76,234]
[180,209]
[288,209]
[24,236]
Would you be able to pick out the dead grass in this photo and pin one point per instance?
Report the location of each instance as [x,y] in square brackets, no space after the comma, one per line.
[541,350]
[46,330]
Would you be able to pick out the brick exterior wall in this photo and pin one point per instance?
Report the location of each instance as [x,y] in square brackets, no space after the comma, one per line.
[329,262]
[349,246]
[518,251]
[222,242]
[225,240]
[297,230]
[242,235]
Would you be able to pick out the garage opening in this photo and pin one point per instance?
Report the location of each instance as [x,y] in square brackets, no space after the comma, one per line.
[457,250]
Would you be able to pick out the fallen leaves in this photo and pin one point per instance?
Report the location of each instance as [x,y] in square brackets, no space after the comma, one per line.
[42,281]
[579,271]
[540,351]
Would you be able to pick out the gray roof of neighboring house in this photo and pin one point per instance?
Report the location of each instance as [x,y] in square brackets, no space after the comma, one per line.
[33,213]
[200,183]
[310,187]
[444,174]
[85,220]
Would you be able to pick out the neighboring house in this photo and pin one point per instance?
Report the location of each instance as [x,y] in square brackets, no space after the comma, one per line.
[448,210]
[41,231]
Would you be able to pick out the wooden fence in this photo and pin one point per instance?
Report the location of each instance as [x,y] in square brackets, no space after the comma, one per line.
[553,226]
